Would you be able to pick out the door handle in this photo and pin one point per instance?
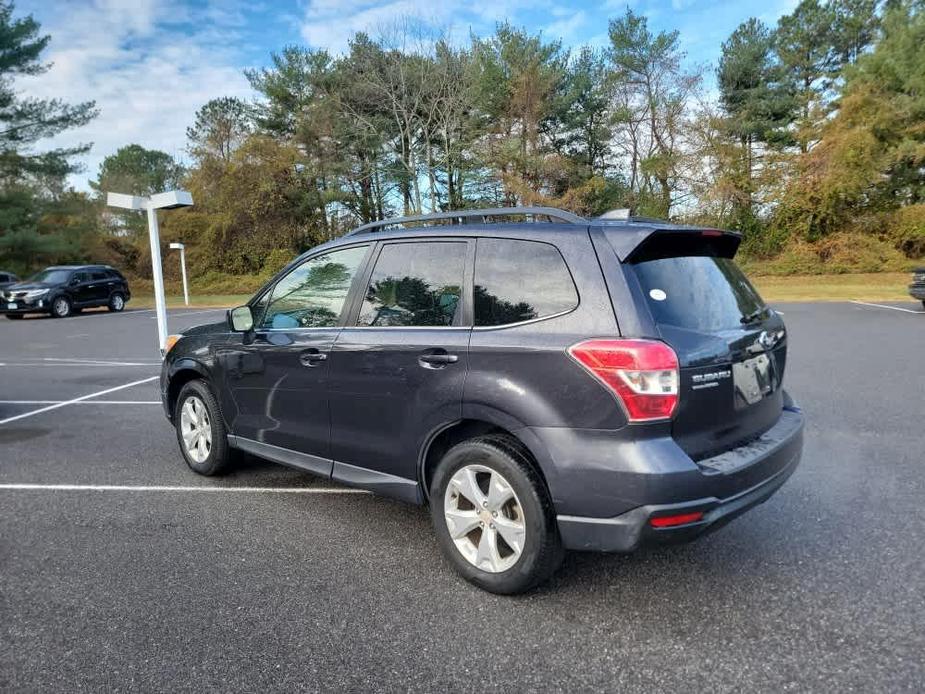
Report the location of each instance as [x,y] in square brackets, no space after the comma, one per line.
[312,357]
[437,359]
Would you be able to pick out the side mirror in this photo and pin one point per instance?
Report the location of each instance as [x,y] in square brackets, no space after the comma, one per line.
[241,319]
[74,281]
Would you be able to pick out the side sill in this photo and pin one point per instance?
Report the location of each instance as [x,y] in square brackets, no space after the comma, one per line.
[378,482]
[283,456]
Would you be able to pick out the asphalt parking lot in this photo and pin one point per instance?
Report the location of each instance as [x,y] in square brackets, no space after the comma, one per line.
[162,585]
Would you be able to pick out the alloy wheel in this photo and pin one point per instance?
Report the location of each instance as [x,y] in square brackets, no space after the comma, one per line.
[118,302]
[62,307]
[485,518]
[196,429]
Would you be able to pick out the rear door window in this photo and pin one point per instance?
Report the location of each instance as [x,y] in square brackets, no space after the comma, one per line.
[517,281]
[699,293]
[415,285]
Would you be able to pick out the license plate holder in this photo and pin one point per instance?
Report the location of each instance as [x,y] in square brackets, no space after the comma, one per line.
[753,379]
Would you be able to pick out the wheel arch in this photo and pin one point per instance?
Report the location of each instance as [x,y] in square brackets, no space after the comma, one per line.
[447,436]
[182,372]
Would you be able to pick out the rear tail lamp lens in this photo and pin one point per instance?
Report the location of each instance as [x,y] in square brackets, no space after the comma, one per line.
[643,374]
[679,519]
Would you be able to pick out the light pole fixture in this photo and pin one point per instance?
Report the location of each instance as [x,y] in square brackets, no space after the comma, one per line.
[161,201]
[180,247]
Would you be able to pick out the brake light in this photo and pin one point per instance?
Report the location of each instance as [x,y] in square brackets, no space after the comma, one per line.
[643,374]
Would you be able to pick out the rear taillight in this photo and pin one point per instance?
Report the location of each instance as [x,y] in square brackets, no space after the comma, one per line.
[642,373]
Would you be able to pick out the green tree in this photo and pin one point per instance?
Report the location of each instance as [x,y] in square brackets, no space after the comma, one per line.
[805,42]
[220,127]
[135,170]
[758,108]
[652,93]
[519,78]
[25,121]
[871,157]
[29,178]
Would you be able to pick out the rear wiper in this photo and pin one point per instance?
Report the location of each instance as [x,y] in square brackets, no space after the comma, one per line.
[753,316]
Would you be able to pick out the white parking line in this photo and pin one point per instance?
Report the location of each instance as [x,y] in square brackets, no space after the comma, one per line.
[39,363]
[76,400]
[163,488]
[101,362]
[892,308]
[82,402]
[191,313]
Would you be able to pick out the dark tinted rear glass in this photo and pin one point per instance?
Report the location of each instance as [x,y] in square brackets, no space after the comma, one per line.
[415,284]
[520,280]
[699,293]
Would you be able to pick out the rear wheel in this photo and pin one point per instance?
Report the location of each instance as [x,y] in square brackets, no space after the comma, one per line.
[200,431]
[493,516]
[116,302]
[61,307]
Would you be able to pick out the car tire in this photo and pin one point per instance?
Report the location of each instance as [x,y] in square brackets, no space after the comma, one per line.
[61,307]
[14,316]
[116,302]
[200,430]
[495,463]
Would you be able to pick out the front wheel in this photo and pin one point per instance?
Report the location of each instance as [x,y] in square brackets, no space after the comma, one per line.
[116,302]
[61,307]
[200,431]
[493,516]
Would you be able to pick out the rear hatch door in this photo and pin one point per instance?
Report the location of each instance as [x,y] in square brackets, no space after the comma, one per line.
[731,347]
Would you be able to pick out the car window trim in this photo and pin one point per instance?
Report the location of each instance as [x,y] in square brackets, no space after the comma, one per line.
[529,320]
[339,323]
[464,316]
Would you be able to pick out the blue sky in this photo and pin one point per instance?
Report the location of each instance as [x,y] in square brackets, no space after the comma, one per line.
[149,64]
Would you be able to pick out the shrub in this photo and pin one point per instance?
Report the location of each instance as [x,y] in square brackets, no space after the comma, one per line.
[907,230]
[835,254]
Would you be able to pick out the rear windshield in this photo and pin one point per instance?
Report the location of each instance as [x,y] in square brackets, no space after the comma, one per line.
[699,293]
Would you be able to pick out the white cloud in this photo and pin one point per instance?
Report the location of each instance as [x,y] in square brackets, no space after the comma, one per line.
[148,65]
[331,24]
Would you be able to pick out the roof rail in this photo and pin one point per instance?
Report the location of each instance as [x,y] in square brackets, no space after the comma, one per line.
[477,215]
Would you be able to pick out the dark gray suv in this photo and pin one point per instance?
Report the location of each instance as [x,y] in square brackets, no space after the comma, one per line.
[542,381]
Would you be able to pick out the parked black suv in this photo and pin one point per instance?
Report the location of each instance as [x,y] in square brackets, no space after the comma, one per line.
[65,289]
[917,288]
[544,384]
[7,278]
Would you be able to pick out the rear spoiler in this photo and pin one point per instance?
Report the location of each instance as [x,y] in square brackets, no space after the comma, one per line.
[637,243]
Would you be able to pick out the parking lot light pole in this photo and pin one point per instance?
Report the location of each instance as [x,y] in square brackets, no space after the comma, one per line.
[180,247]
[161,201]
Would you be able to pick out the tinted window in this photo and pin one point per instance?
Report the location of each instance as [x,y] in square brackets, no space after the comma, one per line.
[80,277]
[520,280]
[313,294]
[698,293]
[415,284]
[98,275]
[51,276]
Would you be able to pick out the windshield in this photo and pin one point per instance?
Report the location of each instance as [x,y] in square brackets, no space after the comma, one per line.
[699,293]
[51,276]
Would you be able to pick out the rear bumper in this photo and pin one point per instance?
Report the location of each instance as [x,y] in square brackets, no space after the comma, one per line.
[669,483]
